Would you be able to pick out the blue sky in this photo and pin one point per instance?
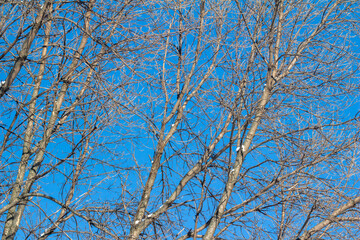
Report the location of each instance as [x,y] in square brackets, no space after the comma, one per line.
[126,100]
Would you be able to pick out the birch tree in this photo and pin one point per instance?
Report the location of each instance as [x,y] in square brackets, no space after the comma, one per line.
[179,119]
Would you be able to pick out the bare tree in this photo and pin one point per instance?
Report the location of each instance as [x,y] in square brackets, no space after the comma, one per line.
[180,119]
[55,103]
